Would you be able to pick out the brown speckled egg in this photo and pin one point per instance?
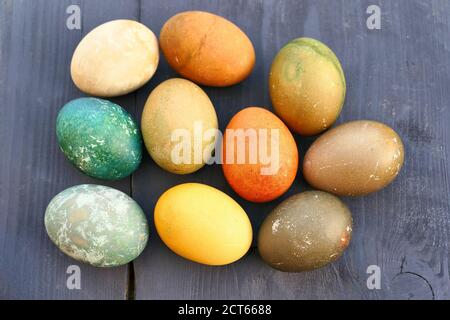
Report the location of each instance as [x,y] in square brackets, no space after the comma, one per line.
[305,232]
[355,158]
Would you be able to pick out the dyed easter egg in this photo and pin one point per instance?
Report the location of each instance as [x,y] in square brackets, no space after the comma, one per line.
[259,155]
[179,126]
[115,58]
[354,158]
[207,48]
[99,138]
[97,225]
[305,232]
[307,86]
[203,224]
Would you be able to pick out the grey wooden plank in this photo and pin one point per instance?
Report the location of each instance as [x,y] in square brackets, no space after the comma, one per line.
[398,75]
[36,48]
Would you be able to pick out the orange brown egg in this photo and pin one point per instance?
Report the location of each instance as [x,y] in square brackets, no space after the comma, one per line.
[207,49]
[259,155]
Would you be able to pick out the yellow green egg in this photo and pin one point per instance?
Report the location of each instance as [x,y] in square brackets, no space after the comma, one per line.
[179,125]
[307,86]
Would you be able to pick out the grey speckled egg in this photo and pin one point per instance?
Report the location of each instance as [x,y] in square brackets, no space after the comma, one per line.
[97,225]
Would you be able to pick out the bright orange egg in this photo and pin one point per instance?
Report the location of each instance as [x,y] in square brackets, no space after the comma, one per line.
[259,155]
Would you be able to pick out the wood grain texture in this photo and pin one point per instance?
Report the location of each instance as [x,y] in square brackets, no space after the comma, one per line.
[398,75]
[36,49]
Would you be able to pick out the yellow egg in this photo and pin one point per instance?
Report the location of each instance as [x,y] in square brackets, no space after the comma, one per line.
[203,224]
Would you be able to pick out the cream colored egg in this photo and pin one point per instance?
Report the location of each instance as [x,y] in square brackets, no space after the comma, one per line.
[115,58]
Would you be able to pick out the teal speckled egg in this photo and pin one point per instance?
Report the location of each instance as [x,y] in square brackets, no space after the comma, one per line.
[97,225]
[99,137]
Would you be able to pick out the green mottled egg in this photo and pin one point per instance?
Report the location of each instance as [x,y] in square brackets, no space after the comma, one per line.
[97,225]
[99,137]
[307,86]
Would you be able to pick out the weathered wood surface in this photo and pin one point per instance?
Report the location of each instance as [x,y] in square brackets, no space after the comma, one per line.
[36,48]
[399,75]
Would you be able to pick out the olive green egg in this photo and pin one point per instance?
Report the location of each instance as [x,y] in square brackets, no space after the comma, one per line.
[307,86]
[97,225]
[179,126]
[306,231]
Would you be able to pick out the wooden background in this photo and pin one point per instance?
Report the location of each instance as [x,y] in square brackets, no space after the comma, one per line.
[399,75]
